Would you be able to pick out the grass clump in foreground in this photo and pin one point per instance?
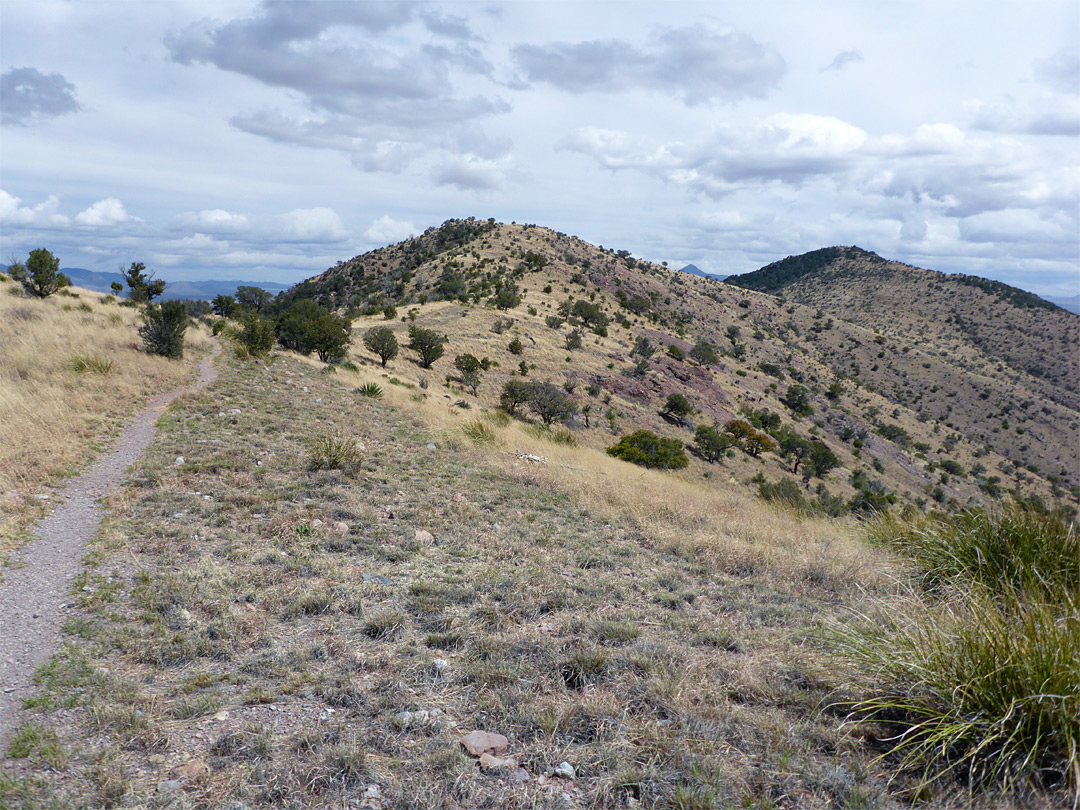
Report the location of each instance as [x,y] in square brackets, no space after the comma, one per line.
[977,674]
[334,451]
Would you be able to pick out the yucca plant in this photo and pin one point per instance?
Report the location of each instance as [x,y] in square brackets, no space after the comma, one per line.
[371,390]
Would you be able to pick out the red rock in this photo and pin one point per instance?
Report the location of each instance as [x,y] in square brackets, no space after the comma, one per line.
[479,743]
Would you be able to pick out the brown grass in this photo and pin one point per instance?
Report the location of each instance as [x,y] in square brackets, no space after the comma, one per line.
[71,371]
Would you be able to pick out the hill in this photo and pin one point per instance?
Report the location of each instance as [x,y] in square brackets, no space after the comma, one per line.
[919,416]
[97,281]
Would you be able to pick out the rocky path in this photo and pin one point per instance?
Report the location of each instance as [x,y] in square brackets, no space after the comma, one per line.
[37,588]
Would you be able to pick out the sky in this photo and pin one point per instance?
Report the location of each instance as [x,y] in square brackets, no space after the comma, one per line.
[236,139]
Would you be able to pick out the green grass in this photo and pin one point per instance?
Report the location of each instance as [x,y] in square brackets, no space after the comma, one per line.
[977,671]
[330,450]
[92,363]
[479,432]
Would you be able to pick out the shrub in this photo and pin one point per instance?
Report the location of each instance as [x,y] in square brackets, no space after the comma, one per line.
[41,274]
[257,334]
[797,399]
[573,339]
[479,432]
[645,448]
[675,352]
[711,443]
[381,340]
[163,329]
[516,346]
[704,353]
[514,393]
[550,403]
[469,370]
[677,407]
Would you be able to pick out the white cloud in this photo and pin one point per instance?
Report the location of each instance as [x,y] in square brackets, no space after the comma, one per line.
[470,173]
[386,230]
[215,220]
[105,213]
[311,225]
[46,214]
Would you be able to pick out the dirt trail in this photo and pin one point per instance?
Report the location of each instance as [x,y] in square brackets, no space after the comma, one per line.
[36,590]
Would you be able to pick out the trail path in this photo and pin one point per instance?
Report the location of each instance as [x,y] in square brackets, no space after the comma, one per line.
[36,590]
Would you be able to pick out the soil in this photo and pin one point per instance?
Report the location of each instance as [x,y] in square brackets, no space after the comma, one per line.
[35,592]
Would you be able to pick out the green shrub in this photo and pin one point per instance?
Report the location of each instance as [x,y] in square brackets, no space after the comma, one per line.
[163,328]
[371,390]
[645,448]
[257,334]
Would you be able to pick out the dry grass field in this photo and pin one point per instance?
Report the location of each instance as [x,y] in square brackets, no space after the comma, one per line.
[71,370]
[330,590]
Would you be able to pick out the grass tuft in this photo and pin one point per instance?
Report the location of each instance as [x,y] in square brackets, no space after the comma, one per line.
[94,363]
[334,451]
[479,432]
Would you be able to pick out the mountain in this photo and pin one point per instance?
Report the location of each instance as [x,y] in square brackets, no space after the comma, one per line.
[925,386]
[694,270]
[1072,303]
[199,290]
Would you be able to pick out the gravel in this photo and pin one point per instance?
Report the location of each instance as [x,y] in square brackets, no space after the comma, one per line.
[35,593]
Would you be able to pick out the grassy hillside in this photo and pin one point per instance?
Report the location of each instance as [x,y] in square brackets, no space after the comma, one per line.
[350,569]
[919,411]
[72,370]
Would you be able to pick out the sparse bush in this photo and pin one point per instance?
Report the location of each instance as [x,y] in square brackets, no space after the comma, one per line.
[41,274]
[675,353]
[516,346]
[711,443]
[645,448]
[550,403]
[163,329]
[514,393]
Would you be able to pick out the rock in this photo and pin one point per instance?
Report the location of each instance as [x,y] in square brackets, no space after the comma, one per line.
[234,411]
[340,527]
[493,764]
[316,523]
[402,720]
[424,536]
[440,665]
[193,769]
[371,798]
[169,786]
[478,743]
[564,770]
[222,715]
[375,579]
[179,460]
[458,498]
[431,445]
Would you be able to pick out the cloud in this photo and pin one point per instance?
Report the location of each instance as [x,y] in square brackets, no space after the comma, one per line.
[105,213]
[387,231]
[699,64]
[215,221]
[471,173]
[1035,115]
[311,225]
[28,95]
[384,100]
[45,215]
[842,60]
[1060,71]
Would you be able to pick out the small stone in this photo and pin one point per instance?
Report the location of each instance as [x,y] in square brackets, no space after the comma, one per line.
[222,715]
[403,720]
[424,536]
[489,763]
[431,445]
[179,460]
[316,523]
[169,786]
[484,742]
[156,759]
[564,770]
[440,664]
[458,497]
[234,411]
[375,579]
[520,775]
[341,527]
[193,768]
[371,798]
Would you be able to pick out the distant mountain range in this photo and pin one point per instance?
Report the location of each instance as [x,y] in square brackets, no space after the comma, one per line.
[197,290]
[1072,303]
[694,270]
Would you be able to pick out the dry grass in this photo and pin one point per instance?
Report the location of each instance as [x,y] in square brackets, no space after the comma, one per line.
[70,373]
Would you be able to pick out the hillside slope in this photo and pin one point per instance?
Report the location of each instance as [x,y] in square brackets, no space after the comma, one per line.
[923,413]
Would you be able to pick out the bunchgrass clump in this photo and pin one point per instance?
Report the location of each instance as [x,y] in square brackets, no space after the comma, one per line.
[479,432]
[93,363]
[334,451]
[1012,548]
[977,672]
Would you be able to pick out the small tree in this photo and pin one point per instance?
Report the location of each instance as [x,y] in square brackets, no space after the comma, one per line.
[223,305]
[676,353]
[677,407]
[506,297]
[329,336]
[514,393]
[643,348]
[41,274]
[470,369]
[254,299]
[573,340]
[797,400]
[163,328]
[550,403]
[381,341]
[711,443]
[757,443]
[649,450]
[142,288]
[516,347]
[257,334]
[704,353]
[117,288]
[426,343]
